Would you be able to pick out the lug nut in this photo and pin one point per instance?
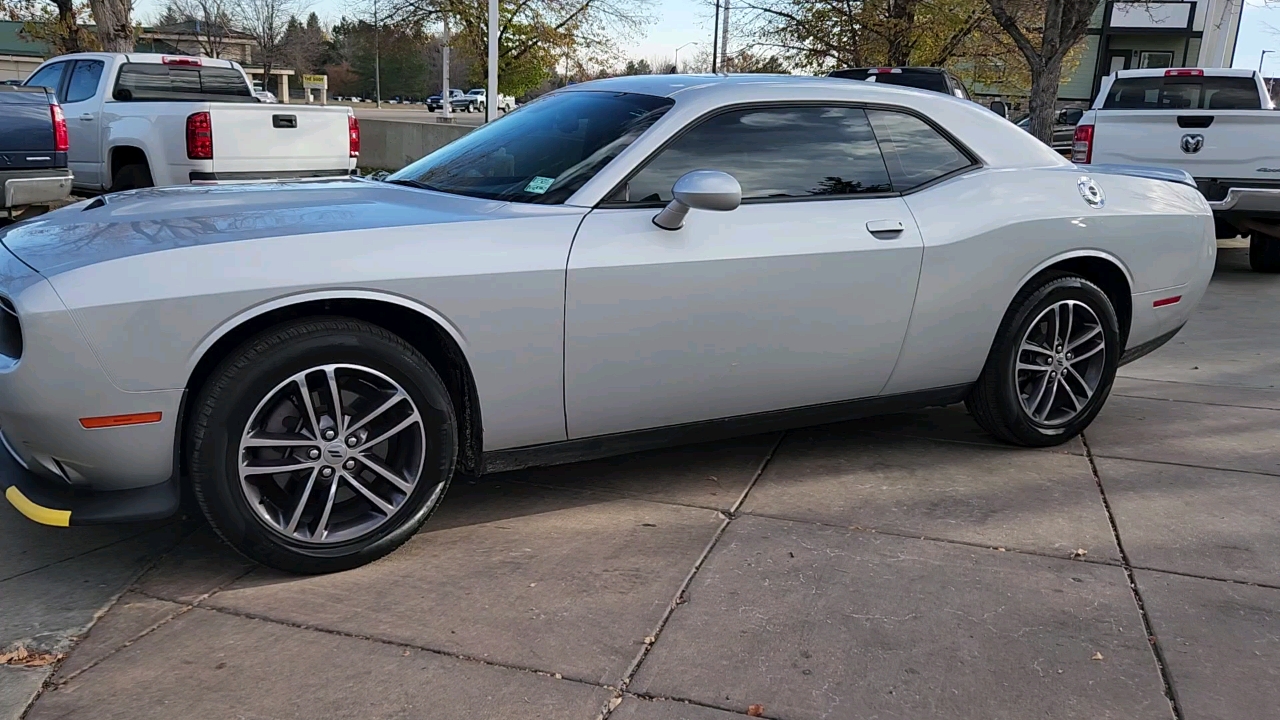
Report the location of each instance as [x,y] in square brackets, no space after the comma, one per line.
[353,441]
[314,453]
[349,464]
[330,434]
[326,472]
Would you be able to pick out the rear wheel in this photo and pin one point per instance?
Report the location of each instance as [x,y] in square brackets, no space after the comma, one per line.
[1264,252]
[321,445]
[132,177]
[1052,364]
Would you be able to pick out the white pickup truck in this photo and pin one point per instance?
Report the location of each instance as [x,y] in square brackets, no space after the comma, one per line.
[1218,124]
[141,120]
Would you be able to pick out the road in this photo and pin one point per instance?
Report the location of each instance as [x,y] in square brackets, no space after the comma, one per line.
[412,113]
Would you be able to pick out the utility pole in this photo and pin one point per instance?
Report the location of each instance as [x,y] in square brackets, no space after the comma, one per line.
[446,102]
[715,38]
[377,56]
[491,94]
[724,40]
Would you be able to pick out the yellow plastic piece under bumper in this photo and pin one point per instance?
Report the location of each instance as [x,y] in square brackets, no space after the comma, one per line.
[37,513]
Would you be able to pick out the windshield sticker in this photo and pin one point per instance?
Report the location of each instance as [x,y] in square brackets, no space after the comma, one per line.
[539,184]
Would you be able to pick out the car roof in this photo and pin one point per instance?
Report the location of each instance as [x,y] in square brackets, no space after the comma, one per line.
[683,86]
[1208,72]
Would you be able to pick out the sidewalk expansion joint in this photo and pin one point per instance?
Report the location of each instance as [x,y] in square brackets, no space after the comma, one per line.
[695,703]
[679,598]
[1152,640]
[1215,468]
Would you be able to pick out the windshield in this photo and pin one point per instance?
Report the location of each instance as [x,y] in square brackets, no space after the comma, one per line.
[541,153]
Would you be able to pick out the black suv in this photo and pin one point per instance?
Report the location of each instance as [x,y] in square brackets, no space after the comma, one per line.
[924,78]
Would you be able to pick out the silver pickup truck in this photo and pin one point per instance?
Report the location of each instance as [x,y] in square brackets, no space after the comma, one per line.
[1218,124]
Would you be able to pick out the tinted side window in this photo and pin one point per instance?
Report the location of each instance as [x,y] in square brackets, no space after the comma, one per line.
[915,153]
[1183,93]
[774,153]
[49,76]
[146,82]
[84,81]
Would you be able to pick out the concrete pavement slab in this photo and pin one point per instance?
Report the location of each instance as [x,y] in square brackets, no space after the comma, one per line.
[634,708]
[128,618]
[945,423]
[213,666]
[18,687]
[29,546]
[534,577]
[707,475]
[1221,644]
[200,564]
[1191,392]
[819,622]
[1187,433]
[1200,522]
[992,496]
[47,608]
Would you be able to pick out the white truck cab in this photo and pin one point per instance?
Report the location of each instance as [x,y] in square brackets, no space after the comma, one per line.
[1218,124]
[141,120]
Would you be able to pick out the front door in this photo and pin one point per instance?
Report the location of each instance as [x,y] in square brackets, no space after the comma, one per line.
[81,106]
[801,296]
[1118,60]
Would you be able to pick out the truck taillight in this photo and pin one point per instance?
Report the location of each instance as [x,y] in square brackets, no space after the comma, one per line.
[199,136]
[353,130]
[188,61]
[61,143]
[1082,145]
[1184,72]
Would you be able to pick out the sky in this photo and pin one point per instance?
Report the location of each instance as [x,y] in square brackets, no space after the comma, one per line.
[681,21]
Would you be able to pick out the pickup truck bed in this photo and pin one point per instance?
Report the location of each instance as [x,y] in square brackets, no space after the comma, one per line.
[1218,124]
[33,150]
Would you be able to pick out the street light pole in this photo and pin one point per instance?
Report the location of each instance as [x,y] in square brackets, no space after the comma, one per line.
[1262,58]
[677,63]
[491,94]
[377,57]
[715,38]
[446,102]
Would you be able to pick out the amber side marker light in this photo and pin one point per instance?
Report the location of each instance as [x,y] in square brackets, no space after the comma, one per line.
[109,421]
[1158,303]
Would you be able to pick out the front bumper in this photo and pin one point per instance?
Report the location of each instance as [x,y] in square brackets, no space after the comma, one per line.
[35,187]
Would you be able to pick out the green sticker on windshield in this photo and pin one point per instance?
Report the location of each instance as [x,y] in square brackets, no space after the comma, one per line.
[539,184]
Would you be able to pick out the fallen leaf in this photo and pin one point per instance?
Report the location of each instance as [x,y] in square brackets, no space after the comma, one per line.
[1097,656]
[1000,549]
[558,676]
[22,657]
[1079,553]
[650,640]
[614,702]
[755,711]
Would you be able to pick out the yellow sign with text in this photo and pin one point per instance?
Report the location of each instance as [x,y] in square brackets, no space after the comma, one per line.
[315,81]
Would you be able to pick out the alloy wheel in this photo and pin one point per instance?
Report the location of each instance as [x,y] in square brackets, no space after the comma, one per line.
[1060,363]
[331,454]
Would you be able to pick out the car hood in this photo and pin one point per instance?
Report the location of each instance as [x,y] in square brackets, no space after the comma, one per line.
[158,219]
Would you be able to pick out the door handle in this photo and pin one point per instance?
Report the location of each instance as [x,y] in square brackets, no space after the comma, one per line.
[885,229]
[86,117]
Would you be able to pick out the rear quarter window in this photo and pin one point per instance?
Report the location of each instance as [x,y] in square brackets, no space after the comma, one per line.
[141,82]
[1183,93]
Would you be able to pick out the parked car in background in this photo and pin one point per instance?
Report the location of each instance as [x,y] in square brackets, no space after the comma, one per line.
[265,96]
[1218,124]
[141,120]
[435,103]
[1064,129]
[506,103]
[923,78]
[33,150]
[648,260]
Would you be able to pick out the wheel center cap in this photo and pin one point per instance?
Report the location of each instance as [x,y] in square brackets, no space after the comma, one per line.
[335,453]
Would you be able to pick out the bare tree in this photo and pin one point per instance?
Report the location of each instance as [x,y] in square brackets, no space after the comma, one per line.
[114,21]
[212,20]
[266,21]
[1060,26]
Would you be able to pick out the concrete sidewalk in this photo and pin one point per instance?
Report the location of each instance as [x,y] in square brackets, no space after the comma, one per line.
[899,567]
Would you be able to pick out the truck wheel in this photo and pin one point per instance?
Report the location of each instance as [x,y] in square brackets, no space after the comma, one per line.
[1264,253]
[132,177]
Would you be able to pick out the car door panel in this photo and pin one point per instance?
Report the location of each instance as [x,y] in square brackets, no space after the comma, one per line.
[772,306]
[81,105]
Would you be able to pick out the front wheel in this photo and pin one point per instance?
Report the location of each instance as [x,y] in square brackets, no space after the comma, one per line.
[1052,364]
[1264,253]
[321,445]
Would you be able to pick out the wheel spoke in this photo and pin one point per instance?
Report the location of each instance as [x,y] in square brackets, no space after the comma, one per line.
[392,402]
[322,526]
[381,504]
[259,439]
[274,469]
[1031,347]
[1044,383]
[1033,368]
[1071,316]
[1048,406]
[1086,354]
[338,416]
[390,433]
[390,477]
[1070,393]
[301,382]
[1076,343]
[302,503]
[1088,391]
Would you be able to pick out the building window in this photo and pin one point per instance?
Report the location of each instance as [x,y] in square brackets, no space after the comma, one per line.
[1155,59]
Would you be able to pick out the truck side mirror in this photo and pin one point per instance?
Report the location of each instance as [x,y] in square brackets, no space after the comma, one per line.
[998,107]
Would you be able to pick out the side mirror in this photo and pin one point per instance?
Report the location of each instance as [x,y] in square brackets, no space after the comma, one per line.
[998,107]
[699,190]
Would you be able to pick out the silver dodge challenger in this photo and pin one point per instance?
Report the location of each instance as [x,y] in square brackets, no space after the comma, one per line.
[619,265]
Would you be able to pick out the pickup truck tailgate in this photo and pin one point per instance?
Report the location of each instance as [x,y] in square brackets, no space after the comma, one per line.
[26,131]
[272,139]
[1205,143]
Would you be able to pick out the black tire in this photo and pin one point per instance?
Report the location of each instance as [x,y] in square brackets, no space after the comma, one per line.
[132,177]
[996,402]
[228,400]
[1264,253]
